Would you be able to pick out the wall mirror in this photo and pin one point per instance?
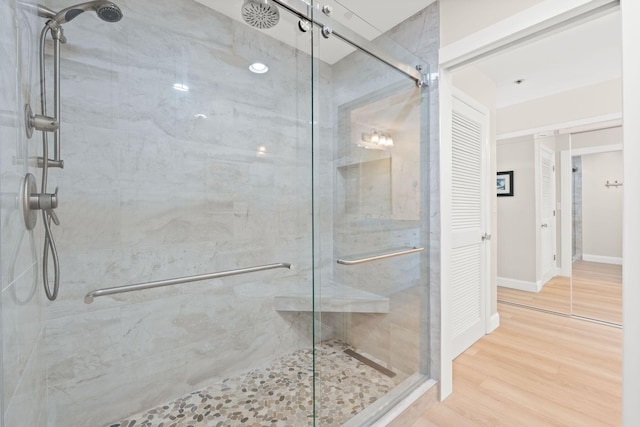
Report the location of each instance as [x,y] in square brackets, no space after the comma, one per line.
[596,246]
[560,235]
[531,268]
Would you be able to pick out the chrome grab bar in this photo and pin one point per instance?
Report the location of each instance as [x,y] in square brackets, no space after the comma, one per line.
[88,299]
[377,257]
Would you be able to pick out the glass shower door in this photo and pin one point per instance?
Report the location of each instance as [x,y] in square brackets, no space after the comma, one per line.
[181,159]
[372,215]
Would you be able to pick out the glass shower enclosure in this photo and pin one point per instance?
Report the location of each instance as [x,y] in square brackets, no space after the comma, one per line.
[244,213]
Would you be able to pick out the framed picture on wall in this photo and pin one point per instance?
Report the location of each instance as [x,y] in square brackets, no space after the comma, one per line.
[504,183]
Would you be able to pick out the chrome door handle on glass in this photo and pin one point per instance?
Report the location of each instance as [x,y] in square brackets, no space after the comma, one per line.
[544,225]
[486,237]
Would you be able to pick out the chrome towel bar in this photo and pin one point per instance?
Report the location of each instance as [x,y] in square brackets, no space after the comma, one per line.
[88,299]
[378,257]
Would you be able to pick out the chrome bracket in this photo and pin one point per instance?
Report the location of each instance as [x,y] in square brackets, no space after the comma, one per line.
[304,25]
[326,9]
[326,32]
[424,79]
[38,122]
[50,163]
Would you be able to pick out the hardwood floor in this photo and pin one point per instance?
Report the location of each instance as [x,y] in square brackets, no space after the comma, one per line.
[536,369]
[597,290]
[555,295]
[596,287]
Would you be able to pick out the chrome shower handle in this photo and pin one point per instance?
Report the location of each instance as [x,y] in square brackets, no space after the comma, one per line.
[53,216]
[44,201]
[33,201]
[54,204]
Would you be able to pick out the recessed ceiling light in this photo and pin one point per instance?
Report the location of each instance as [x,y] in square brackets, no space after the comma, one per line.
[258,68]
[201,116]
[181,87]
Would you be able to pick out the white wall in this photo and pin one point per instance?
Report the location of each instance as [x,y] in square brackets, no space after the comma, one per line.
[602,99]
[596,138]
[601,206]
[516,215]
[631,227]
[460,18]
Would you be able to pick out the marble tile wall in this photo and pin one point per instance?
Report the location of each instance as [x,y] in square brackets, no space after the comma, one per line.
[150,191]
[22,303]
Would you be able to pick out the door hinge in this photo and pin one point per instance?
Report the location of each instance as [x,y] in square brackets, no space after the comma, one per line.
[553,168]
[554,213]
[554,257]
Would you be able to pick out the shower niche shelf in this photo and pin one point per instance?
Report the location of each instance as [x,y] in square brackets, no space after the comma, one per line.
[333,298]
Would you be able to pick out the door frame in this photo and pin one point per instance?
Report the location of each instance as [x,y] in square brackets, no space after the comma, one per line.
[539,20]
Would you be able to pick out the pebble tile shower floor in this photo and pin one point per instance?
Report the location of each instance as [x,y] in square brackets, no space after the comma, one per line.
[279,394]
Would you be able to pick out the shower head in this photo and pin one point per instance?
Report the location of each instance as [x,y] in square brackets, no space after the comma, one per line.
[260,14]
[106,10]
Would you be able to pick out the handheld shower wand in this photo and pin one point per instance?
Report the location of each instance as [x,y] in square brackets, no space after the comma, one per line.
[106,10]
[48,202]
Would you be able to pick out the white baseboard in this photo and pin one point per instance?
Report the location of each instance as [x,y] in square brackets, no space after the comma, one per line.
[602,259]
[494,322]
[521,285]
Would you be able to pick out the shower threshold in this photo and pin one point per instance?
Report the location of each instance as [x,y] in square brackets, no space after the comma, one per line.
[279,394]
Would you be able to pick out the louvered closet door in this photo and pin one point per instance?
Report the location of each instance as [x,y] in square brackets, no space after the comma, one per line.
[469,250]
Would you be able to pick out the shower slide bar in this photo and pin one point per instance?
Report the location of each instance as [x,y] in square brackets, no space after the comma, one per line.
[378,257]
[331,27]
[88,299]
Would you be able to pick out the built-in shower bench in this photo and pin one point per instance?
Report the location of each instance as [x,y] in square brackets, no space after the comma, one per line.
[333,298]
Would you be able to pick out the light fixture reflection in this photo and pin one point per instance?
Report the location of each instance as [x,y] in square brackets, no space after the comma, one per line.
[181,87]
[262,151]
[376,140]
[258,68]
[200,116]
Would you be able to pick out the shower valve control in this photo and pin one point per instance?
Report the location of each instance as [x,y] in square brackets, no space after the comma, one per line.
[33,201]
[44,201]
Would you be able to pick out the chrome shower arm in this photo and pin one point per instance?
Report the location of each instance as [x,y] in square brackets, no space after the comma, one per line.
[37,9]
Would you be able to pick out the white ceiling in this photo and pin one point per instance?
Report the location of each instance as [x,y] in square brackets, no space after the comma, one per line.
[583,55]
[368,18]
